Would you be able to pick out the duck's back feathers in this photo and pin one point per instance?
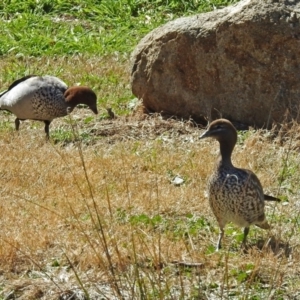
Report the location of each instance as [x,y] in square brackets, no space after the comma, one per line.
[16,82]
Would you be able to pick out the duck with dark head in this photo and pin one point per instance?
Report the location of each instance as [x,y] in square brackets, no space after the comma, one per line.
[44,98]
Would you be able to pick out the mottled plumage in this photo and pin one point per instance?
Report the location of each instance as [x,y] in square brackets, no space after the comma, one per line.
[44,98]
[235,195]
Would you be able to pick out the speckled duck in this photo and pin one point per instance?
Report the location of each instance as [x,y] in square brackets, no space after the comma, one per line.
[44,98]
[235,195]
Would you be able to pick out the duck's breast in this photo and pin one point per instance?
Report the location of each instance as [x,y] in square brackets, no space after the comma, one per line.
[236,195]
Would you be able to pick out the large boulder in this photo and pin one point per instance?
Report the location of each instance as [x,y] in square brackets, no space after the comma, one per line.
[241,62]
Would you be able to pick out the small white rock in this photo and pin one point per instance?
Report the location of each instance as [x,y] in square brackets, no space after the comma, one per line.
[177,180]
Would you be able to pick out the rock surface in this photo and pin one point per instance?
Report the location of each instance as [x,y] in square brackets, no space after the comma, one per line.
[241,62]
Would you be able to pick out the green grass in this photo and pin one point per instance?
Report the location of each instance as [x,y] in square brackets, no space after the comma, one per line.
[38,28]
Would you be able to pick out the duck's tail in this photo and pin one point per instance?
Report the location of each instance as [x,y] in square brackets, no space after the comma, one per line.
[271,198]
[2,93]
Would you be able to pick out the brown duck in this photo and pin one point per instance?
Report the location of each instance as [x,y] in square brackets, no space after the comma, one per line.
[235,195]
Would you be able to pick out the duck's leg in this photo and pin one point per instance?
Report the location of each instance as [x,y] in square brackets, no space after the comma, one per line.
[221,234]
[17,123]
[47,123]
[246,231]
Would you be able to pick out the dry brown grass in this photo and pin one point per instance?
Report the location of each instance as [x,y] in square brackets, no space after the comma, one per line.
[52,214]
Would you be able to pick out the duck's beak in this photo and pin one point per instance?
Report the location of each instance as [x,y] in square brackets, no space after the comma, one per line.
[204,135]
[94,110]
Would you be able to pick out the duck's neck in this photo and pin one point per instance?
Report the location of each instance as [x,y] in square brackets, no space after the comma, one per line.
[226,148]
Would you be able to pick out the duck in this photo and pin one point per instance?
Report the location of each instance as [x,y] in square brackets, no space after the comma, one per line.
[235,195]
[44,98]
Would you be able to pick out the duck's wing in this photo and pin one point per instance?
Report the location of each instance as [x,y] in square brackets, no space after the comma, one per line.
[255,181]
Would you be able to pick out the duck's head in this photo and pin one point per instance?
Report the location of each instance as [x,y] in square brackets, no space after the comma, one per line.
[222,130]
[81,95]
